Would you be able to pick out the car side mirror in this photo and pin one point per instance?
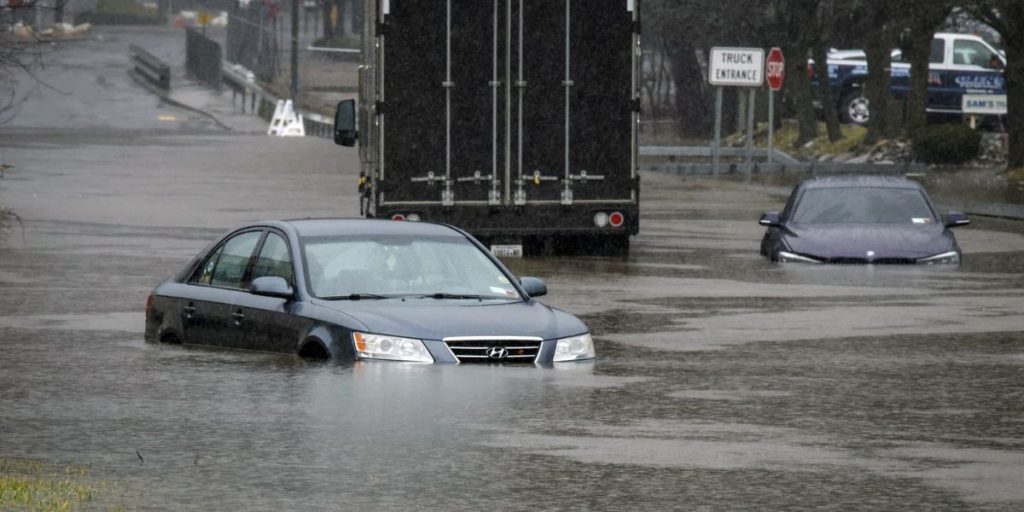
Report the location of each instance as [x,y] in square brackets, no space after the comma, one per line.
[533,286]
[769,219]
[995,62]
[271,286]
[954,219]
[345,133]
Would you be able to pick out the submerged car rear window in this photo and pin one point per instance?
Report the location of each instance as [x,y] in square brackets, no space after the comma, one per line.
[862,205]
[402,265]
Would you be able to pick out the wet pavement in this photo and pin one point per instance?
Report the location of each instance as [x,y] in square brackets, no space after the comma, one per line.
[723,381]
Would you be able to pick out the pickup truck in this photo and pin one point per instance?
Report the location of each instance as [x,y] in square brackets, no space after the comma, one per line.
[959,64]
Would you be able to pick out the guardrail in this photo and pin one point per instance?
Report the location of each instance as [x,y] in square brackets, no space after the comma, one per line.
[261,102]
[149,69]
[706,152]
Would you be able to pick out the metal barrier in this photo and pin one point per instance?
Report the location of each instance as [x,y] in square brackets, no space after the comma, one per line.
[318,125]
[149,69]
[203,58]
[260,102]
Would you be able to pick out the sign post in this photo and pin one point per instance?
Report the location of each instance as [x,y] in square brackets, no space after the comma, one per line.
[735,67]
[774,73]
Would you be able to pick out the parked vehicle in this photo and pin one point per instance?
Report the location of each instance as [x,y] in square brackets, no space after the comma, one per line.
[959,64]
[514,121]
[861,219]
[362,289]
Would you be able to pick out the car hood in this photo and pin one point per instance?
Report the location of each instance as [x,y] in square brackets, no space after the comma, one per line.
[855,241]
[436,319]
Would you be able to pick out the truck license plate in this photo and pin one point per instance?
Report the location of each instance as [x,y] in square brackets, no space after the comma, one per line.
[507,250]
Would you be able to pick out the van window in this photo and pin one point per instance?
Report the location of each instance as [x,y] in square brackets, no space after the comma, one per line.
[938,54]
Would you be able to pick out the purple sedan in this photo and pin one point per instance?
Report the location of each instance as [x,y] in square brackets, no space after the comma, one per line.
[861,219]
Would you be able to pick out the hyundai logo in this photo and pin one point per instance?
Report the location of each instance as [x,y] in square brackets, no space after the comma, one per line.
[497,353]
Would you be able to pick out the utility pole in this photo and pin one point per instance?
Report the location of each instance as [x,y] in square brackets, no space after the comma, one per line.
[294,89]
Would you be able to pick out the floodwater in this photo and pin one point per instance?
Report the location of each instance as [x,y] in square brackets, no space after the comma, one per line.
[723,381]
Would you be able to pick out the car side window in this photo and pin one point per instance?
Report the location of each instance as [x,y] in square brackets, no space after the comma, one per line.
[236,253]
[274,259]
[205,272]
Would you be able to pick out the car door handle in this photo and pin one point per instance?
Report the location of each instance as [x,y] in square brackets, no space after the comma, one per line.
[238,316]
[189,310]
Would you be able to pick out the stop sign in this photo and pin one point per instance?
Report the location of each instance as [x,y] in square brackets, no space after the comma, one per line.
[775,68]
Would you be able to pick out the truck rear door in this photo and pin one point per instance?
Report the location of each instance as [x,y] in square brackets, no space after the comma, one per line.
[507,102]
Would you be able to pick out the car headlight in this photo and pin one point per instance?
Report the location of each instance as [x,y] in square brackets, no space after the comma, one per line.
[574,348]
[790,257]
[950,258]
[376,346]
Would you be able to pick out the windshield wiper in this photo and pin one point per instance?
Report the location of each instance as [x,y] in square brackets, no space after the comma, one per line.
[443,295]
[357,296]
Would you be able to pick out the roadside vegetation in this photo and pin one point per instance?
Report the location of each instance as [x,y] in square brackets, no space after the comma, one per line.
[27,484]
[679,33]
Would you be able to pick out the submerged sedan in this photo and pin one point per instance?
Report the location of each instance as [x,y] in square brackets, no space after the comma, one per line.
[861,219]
[362,289]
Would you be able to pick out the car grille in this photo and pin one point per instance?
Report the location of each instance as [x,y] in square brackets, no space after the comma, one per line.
[876,261]
[494,350]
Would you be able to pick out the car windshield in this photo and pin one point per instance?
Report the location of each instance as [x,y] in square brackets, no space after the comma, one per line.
[863,205]
[375,267]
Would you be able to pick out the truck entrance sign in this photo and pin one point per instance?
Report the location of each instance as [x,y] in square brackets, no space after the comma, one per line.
[775,69]
[737,67]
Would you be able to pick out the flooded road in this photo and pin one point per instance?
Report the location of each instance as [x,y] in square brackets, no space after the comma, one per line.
[723,381]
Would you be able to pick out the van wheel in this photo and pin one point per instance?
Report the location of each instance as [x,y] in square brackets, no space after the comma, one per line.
[854,108]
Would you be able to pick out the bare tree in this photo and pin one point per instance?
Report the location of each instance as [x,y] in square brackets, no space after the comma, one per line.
[1007,18]
[920,19]
[21,51]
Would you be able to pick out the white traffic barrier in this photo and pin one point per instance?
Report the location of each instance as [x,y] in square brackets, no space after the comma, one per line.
[286,122]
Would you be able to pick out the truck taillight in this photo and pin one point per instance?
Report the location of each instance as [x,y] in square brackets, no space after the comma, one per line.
[616,219]
[398,216]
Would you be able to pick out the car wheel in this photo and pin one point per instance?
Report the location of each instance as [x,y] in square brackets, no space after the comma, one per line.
[314,350]
[854,108]
[170,337]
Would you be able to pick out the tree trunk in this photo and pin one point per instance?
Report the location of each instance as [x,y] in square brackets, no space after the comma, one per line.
[825,92]
[917,49]
[692,102]
[1015,94]
[798,87]
[878,85]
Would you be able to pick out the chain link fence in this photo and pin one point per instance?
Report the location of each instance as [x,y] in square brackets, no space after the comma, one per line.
[254,36]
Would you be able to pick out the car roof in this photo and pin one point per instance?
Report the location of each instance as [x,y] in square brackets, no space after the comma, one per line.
[334,227]
[854,181]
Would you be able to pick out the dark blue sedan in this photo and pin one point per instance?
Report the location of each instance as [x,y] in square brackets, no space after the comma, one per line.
[362,289]
[861,219]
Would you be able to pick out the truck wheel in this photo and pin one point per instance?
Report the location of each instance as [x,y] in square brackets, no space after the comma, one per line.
[854,108]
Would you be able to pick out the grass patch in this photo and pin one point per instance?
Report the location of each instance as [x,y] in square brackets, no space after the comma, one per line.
[27,484]
[119,12]
[1015,174]
[785,139]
